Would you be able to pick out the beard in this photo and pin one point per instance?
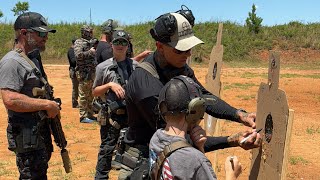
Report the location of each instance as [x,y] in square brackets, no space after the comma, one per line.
[33,44]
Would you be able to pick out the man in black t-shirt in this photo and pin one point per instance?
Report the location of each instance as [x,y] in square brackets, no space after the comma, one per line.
[72,73]
[104,50]
[174,40]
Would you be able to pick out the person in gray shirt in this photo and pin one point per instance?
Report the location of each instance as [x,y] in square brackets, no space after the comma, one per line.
[182,106]
[28,136]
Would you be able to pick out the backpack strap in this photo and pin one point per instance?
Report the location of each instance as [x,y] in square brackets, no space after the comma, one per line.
[150,68]
[167,151]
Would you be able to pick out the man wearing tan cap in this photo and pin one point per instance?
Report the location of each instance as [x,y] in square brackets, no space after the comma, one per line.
[175,39]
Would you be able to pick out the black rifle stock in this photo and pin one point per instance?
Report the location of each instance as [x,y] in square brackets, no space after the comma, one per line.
[46,92]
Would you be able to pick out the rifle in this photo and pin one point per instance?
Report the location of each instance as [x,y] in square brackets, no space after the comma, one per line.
[46,92]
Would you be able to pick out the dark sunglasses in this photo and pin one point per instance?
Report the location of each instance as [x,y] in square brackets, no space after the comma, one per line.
[178,51]
[40,34]
[120,42]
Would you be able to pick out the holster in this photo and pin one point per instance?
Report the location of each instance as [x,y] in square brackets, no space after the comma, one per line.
[24,135]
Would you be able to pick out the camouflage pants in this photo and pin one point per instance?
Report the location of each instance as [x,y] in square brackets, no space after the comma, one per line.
[33,165]
[75,87]
[85,98]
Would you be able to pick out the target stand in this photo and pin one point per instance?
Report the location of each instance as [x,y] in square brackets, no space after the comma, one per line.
[274,116]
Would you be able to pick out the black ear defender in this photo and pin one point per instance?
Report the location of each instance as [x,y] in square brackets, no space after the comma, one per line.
[187,13]
[165,27]
[196,106]
[166,24]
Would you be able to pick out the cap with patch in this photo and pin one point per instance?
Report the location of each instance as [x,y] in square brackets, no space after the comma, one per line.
[183,38]
[120,34]
[34,21]
[175,30]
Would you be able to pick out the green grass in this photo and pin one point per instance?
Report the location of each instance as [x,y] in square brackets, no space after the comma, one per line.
[298,160]
[249,75]
[244,86]
[246,97]
[313,130]
[312,76]
[241,46]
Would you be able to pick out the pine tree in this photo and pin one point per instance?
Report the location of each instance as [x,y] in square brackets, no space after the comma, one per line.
[253,21]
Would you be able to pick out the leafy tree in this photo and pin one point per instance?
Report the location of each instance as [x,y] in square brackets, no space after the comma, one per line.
[1,14]
[254,21]
[20,8]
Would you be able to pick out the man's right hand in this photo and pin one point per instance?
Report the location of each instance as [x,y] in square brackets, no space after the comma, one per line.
[253,141]
[52,109]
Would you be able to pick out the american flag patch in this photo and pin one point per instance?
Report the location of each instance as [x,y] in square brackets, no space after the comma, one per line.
[166,171]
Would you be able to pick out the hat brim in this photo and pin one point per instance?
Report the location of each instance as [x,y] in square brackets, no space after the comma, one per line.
[186,43]
[44,29]
[120,38]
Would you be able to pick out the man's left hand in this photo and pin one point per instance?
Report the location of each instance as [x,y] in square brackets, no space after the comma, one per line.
[248,119]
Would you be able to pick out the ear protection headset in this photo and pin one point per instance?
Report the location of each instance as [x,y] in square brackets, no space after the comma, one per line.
[187,13]
[196,107]
[166,25]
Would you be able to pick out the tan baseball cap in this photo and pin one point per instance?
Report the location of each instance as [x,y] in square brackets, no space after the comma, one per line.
[183,38]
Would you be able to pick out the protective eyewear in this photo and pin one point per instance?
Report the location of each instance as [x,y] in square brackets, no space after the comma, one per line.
[178,51]
[120,43]
[40,34]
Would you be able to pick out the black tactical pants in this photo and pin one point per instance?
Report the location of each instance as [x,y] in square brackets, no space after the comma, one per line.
[33,165]
[109,137]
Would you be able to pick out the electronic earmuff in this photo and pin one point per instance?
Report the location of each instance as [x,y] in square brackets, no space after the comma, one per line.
[187,13]
[165,27]
[196,106]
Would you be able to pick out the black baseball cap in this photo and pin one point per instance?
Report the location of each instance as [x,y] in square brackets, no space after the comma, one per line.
[120,34]
[34,21]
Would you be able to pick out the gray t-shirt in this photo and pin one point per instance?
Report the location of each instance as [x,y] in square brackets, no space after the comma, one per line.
[184,163]
[104,74]
[16,74]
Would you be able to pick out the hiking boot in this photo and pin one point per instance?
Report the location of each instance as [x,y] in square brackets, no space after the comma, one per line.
[86,120]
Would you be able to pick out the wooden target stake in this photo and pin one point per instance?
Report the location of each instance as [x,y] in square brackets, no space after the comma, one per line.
[273,115]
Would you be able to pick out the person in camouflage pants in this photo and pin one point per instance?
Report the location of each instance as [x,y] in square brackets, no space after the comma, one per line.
[85,70]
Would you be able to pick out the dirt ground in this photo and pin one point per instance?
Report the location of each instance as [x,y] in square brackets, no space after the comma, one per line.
[301,87]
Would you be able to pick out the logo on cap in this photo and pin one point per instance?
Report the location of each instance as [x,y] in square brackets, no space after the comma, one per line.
[186,29]
[121,33]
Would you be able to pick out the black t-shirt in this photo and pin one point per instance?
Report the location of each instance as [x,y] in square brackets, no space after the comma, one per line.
[142,93]
[72,58]
[103,52]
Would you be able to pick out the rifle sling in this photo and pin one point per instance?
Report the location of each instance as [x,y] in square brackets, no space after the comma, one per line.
[34,67]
